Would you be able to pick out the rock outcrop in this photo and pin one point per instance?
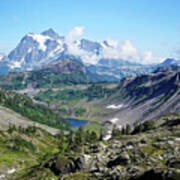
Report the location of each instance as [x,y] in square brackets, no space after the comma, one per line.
[154,154]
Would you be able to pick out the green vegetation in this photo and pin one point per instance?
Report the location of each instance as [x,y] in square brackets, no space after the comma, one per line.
[125,130]
[77,102]
[74,141]
[116,132]
[35,112]
[64,72]
[143,127]
[95,91]
[22,147]
[54,79]
[30,149]
[94,126]
[80,176]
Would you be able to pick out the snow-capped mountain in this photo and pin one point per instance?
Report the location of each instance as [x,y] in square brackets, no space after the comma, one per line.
[90,46]
[35,51]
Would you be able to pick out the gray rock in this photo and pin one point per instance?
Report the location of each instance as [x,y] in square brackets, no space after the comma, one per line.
[122,159]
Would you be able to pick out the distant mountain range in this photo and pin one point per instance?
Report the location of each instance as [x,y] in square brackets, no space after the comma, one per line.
[35,51]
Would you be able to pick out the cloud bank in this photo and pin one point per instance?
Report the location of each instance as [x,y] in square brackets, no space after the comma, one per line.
[110,49]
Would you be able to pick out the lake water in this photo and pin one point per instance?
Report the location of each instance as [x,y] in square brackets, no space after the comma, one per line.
[76,123]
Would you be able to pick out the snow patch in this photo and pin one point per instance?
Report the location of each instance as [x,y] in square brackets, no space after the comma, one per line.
[113,120]
[1,57]
[10,171]
[109,131]
[29,50]
[108,135]
[41,39]
[113,106]
[16,64]
[2,176]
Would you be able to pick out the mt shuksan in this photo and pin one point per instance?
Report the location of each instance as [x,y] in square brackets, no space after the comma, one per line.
[35,51]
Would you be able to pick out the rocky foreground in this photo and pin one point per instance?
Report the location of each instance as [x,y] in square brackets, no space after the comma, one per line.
[150,155]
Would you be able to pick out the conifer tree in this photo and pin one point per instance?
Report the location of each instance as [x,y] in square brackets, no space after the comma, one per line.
[128,129]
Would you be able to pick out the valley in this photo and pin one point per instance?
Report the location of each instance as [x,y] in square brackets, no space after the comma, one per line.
[94,130]
[135,98]
[77,109]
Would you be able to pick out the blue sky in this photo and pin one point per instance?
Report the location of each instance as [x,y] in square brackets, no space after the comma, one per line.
[150,25]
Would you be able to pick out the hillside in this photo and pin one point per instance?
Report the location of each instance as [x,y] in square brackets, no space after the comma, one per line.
[64,72]
[35,112]
[23,148]
[145,97]
[9,117]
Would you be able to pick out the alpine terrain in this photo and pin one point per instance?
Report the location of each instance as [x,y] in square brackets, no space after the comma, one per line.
[94,97]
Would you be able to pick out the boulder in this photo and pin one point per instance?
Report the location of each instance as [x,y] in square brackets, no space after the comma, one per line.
[154,174]
[122,159]
[94,148]
[173,163]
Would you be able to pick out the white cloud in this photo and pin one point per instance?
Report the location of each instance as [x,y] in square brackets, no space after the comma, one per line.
[111,49]
[149,58]
[129,51]
[74,49]
[74,34]
[126,50]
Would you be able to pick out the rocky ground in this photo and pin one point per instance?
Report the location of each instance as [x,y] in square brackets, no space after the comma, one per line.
[154,154]
[150,155]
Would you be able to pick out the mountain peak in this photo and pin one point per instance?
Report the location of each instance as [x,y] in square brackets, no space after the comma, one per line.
[170,61]
[51,33]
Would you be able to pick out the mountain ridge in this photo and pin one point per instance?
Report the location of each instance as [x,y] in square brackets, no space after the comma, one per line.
[145,97]
[35,51]
[65,71]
